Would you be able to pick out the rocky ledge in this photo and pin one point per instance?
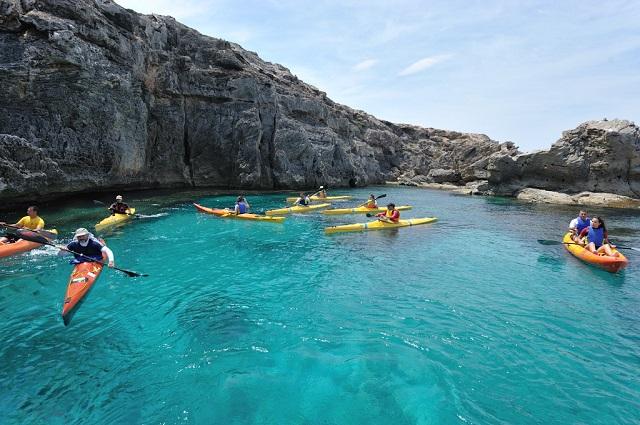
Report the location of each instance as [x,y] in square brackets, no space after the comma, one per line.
[95,97]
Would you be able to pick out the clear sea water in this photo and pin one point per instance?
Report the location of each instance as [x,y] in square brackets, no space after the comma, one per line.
[466,321]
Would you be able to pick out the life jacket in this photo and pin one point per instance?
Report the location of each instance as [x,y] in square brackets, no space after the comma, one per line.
[582,224]
[596,236]
[371,204]
[119,208]
[93,250]
[242,207]
[394,215]
[303,201]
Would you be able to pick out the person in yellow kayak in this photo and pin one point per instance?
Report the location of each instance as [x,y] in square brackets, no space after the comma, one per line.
[118,207]
[371,202]
[303,200]
[322,194]
[391,215]
[31,221]
[91,248]
[242,206]
[596,239]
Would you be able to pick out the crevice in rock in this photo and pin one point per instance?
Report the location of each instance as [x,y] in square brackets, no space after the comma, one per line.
[185,142]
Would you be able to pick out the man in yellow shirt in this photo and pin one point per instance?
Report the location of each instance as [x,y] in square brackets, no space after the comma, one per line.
[31,221]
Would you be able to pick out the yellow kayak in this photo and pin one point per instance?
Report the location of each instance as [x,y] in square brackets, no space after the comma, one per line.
[362,210]
[225,213]
[328,198]
[379,225]
[114,220]
[297,209]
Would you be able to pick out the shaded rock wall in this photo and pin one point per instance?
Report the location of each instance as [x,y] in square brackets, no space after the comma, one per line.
[111,99]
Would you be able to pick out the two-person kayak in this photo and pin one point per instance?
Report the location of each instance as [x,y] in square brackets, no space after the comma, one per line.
[606,262]
[115,220]
[20,246]
[224,213]
[297,209]
[379,225]
[362,210]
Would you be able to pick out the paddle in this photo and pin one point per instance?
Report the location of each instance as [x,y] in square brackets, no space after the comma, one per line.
[549,242]
[44,241]
[384,195]
[45,233]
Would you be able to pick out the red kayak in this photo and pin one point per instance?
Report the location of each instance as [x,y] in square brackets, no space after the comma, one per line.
[82,278]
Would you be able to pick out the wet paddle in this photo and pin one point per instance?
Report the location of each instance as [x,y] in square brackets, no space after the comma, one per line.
[550,242]
[44,241]
[45,233]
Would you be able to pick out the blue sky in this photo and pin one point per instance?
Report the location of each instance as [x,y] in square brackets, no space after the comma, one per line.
[515,70]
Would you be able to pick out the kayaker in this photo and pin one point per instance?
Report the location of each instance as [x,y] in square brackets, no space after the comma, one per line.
[30,221]
[596,239]
[371,202]
[303,200]
[242,206]
[578,224]
[118,207]
[322,194]
[85,243]
[391,215]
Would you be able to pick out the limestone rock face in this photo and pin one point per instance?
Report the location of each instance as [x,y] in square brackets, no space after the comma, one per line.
[597,156]
[109,98]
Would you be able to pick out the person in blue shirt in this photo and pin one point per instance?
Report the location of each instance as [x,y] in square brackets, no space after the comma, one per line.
[91,249]
[242,206]
[578,224]
[303,200]
[595,238]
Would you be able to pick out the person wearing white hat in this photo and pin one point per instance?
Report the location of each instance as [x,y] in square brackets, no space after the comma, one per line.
[86,244]
[118,207]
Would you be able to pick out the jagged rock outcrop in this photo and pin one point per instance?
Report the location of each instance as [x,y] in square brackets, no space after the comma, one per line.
[94,96]
[108,98]
[597,156]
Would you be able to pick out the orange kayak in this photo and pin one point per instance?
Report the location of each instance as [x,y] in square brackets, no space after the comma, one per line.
[18,247]
[610,264]
[229,214]
[82,278]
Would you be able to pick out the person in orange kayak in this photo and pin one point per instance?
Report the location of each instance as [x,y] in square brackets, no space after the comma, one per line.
[578,224]
[118,207]
[391,215]
[596,239]
[86,244]
[31,221]
[371,202]
[303,200]
[242,206]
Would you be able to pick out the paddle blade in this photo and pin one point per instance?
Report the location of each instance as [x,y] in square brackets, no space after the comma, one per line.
[548,242]
[131,273]
[33,237]
[384,195]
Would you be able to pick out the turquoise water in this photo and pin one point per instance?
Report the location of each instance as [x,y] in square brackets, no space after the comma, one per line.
[466,321]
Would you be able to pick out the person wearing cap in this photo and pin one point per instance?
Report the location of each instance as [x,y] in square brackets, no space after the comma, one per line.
[30,221]
[391,215]
[118,207]
[86,244]
[322,194]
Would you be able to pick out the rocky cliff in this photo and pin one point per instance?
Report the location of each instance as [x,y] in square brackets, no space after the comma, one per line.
[95,96]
